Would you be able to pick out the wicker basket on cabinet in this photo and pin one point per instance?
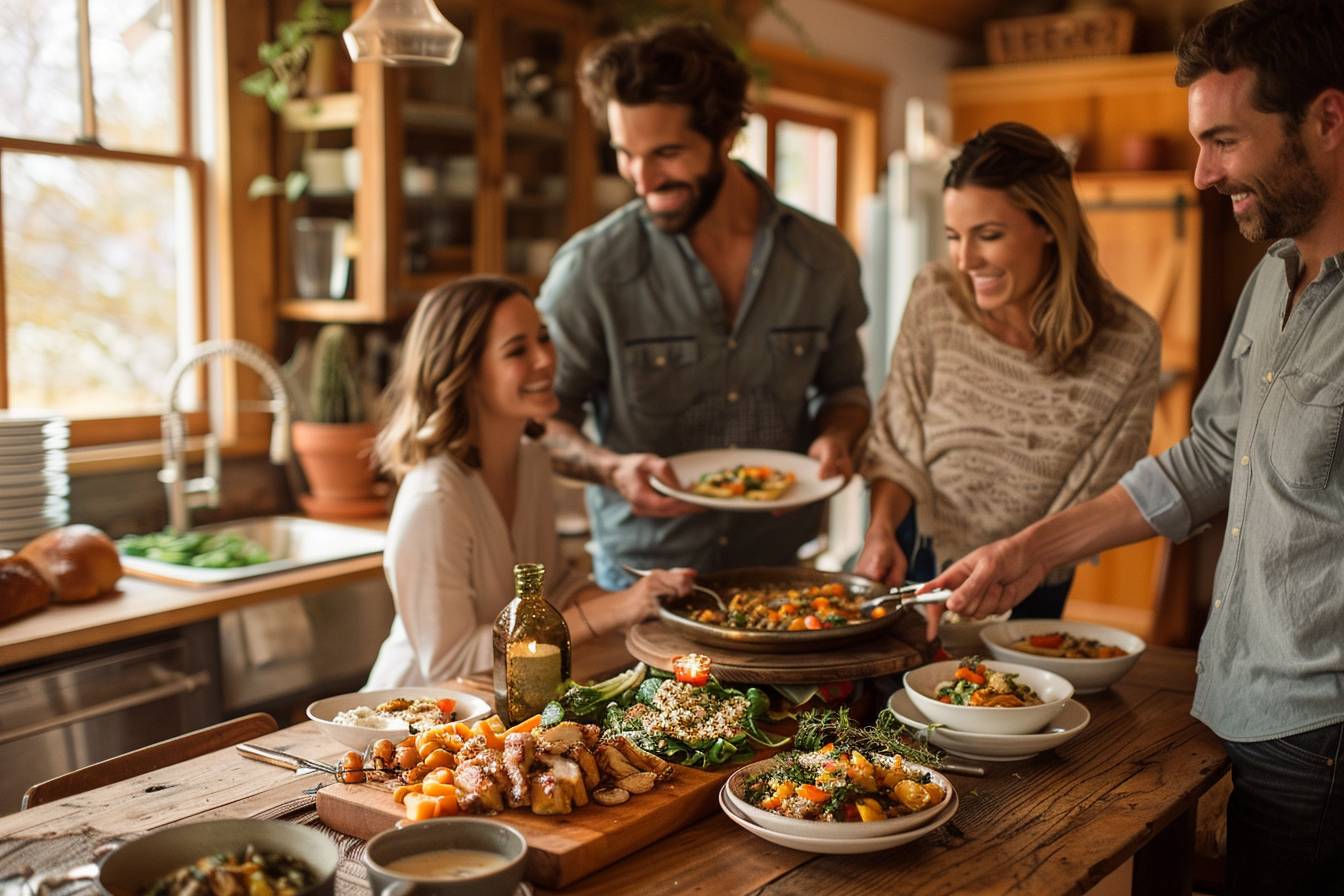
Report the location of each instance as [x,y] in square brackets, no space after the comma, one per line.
[1099,32]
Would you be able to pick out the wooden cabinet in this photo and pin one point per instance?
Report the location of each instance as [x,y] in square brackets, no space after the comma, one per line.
[454,176]
[1172,250]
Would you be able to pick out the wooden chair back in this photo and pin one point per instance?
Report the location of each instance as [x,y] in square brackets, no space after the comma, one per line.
[150,758]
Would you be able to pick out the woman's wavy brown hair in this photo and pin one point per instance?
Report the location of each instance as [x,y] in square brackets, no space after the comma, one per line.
[681,63]
[1073,301]
[430,394]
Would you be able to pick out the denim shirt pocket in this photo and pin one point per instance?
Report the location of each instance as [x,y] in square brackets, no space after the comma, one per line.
[795,353]
[657,371]
[1305,440]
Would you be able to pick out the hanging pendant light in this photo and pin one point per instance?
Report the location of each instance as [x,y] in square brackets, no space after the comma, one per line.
[403,32]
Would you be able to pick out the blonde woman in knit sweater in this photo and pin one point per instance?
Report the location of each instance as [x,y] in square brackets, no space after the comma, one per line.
[1021,381]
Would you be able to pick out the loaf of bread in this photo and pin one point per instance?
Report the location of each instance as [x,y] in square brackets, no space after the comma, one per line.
[22,589]
[79,562]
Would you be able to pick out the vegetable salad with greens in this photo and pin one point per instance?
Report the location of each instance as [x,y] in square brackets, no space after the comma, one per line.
[224,550]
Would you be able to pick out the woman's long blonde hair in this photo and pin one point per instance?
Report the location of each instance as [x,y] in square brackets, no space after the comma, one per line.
[1073,302]
[430,395]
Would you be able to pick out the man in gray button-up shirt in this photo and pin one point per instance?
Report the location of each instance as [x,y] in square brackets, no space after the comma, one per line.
[1266,81]
[704,314]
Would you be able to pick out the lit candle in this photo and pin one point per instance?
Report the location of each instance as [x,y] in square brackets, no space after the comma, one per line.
[693,669]
[532,676]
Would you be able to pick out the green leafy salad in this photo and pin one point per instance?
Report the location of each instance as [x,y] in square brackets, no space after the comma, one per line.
[224,550]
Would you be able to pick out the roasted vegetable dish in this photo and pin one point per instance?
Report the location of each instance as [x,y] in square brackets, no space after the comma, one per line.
[251,873]
[975,684]
[832,785]
[752,483]
[782,609]
[1067,646]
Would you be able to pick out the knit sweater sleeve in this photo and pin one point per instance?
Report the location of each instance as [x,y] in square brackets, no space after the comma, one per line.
[894,446]
[1124,437]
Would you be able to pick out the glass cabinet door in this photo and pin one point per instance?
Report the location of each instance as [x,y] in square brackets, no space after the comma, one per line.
[539,109]
[439,175]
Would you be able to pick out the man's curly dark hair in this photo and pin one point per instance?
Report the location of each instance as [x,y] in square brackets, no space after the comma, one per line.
[675,62]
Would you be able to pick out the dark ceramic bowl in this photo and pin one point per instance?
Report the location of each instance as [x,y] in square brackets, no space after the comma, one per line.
[137,864]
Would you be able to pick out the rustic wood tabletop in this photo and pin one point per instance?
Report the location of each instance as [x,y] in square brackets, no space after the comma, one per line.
[1053,824]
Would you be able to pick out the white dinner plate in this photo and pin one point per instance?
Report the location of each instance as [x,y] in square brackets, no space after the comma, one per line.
[837,847]
[1070,722]
[807,488]
[470,708]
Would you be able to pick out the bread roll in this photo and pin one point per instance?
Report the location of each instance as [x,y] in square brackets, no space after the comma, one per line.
[79,562]
[22,589]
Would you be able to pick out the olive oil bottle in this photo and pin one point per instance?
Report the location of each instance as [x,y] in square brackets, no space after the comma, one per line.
[532,648]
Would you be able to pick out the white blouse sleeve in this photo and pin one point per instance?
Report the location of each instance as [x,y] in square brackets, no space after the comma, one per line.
[428,564]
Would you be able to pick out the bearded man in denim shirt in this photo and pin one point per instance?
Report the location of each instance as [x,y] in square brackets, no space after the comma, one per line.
[1266,103]
[703,314]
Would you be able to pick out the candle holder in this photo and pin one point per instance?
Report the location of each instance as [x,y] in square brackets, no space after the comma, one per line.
[692,668]
[532,648]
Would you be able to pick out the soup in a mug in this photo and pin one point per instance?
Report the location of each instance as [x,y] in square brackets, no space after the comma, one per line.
[447,864]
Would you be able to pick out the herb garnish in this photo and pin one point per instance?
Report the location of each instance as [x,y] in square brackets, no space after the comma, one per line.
[886,735]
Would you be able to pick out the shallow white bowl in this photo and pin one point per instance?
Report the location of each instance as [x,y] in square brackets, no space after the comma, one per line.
[1087,676]
[964,637]
[1054,691]
[994,747]
[840,847]
[830,830]
[469,709]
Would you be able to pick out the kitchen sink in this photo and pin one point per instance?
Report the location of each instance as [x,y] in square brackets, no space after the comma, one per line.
[292,542]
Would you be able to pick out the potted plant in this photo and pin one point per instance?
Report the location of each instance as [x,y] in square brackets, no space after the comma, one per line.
[335,446]
[305,59]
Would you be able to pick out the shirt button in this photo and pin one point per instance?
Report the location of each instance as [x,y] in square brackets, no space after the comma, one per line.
[1269,376]
[1245,459]
[1199,668]
[723,540]
[798,350]
[732,344]
[732,395]
[660,361]
[1218,603]
[1236,532]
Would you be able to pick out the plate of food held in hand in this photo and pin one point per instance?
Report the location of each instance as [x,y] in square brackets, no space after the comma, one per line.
[748,479]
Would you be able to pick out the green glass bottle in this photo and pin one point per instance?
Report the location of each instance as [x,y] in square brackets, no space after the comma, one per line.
[532,648]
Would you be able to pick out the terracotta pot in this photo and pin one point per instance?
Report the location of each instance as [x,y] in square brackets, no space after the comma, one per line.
[337,459]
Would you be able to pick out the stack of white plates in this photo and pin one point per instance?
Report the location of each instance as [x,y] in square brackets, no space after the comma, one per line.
[34,477]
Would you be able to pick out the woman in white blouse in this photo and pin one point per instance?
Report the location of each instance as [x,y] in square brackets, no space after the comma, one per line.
[475,492]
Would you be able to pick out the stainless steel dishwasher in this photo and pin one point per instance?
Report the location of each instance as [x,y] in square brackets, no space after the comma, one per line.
[63,714]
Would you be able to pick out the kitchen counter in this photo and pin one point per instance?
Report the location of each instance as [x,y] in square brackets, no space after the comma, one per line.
[141,606]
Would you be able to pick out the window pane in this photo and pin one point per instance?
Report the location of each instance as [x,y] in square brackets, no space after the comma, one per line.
[133,74]
[39,95]
[97,255]
[750,146]
[131,46]
[805,168]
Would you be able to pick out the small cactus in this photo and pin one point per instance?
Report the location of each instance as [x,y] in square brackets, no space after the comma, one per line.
[336,392]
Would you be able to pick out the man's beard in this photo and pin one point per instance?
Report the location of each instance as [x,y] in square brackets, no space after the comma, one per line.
[704,191]
[1288,201]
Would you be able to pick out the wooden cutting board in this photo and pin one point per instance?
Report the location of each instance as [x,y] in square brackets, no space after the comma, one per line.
[890,652]
[562,848]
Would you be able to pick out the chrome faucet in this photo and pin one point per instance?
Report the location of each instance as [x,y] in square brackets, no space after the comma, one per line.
[183,493]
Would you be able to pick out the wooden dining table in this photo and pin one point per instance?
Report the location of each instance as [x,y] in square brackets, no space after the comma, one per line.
[1058,823]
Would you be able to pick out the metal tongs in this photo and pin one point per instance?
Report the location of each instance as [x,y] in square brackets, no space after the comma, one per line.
[906,596]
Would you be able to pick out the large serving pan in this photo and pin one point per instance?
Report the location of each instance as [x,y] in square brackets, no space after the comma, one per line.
[729,580]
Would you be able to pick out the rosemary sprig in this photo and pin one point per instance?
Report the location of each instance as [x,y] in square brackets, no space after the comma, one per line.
[816,728]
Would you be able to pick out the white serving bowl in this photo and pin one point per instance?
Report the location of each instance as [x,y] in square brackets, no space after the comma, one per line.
[469,709]
[1087,676]
[830,830]
[964,637]
[1054,691]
